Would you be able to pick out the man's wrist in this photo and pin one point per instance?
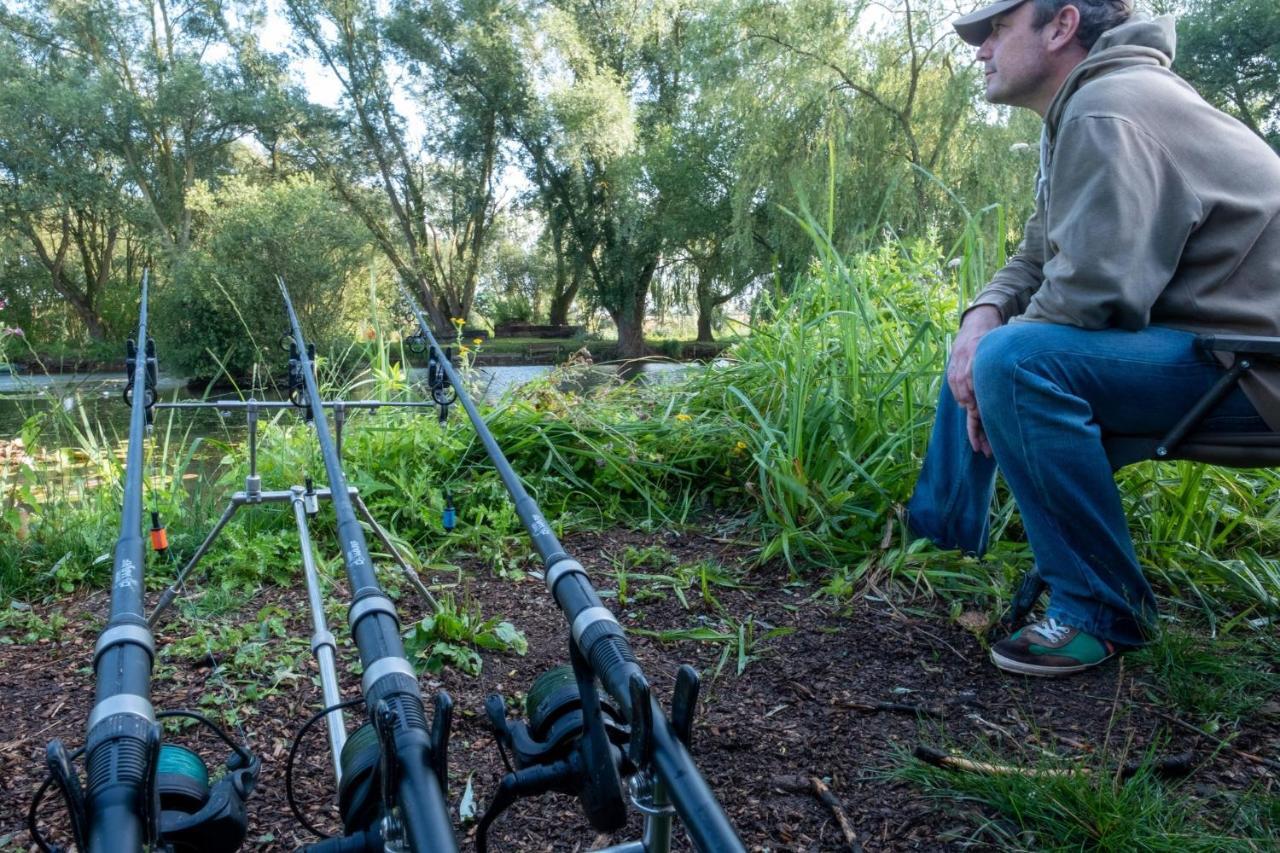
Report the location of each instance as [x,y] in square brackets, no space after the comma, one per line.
[984,313]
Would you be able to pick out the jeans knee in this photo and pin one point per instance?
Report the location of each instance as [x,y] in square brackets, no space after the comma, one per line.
[996,362]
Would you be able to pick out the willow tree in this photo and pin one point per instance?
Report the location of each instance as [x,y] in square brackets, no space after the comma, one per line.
[598,121]
[61,200]
[435,195]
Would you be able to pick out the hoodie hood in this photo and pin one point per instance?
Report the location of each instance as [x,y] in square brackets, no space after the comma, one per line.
[1139,41]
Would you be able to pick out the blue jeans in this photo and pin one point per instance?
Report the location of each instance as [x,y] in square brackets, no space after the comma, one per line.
[1047,394]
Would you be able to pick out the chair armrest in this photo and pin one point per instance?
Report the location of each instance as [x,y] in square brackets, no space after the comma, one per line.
[1240,344]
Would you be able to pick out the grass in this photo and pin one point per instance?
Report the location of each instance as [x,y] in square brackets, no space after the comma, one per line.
[1216,679]
[1098,810]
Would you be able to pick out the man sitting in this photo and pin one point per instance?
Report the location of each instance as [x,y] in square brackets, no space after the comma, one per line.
[1157,218]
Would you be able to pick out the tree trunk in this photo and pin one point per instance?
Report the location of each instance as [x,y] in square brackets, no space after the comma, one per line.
[81,302]
[437,315]
[630,322]
[85,311]
[704,326]
[562,300]
[706,307]
[630,338]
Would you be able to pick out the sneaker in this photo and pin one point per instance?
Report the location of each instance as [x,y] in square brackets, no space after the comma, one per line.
[1049,649]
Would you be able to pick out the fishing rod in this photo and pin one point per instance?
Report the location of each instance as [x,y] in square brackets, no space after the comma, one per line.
[140,793]
[393,781]
[574,740]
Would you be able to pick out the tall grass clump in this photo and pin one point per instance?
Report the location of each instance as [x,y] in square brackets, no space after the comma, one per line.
[833,399]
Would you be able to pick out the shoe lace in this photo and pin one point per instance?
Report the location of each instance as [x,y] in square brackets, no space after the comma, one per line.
[1051,630]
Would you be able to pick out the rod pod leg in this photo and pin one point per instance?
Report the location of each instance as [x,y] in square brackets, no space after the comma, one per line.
[175,588]
[414,578]
[323,644]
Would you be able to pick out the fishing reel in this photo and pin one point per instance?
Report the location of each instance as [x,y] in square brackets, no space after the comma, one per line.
[184,813]
[442,392]
[577,742]
[369,774]
[149,374]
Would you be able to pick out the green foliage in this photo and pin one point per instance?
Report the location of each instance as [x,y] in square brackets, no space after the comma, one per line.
[250,554]
[737,638]
[1230,51]
[20,624]
[222,311]
[835,445]
[454,634]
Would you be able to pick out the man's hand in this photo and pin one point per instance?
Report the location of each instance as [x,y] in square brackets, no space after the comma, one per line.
[977,434]
[976,324]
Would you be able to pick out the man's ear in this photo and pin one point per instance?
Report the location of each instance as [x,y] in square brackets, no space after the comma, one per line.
[1063,28]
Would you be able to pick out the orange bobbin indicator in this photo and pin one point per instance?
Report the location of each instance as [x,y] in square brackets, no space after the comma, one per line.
[159,536]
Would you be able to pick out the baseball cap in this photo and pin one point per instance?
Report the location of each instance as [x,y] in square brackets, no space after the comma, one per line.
[976,26]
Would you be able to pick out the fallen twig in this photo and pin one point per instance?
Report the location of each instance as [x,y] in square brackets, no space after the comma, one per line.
[1217,741]
[1169,766]
[888,707]
[939,758]
[819,789]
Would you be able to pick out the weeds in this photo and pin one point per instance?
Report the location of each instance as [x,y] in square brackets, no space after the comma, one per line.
[20,624]
[453,635]
[737,638]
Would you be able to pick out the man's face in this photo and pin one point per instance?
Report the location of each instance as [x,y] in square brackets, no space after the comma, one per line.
[1015,59]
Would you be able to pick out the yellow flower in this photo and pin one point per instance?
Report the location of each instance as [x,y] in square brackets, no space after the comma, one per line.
[459,322]
[683,417]
[738,448]
[477,341]
[463,349]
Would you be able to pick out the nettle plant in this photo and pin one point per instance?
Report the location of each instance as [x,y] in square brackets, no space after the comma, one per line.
[454,635]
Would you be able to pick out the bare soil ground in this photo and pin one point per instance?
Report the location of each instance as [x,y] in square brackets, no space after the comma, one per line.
[805,708]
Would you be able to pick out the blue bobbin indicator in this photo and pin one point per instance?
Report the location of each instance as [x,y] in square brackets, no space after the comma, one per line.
[450,518]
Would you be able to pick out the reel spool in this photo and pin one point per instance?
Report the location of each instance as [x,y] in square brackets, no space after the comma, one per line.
[568,745]
[553,706]
[182,780]
[359,800]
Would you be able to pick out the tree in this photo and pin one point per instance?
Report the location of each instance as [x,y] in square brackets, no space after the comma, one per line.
[1230,51]
[166,112]
[62,195]
[132,114]
[594,119]
[436,202]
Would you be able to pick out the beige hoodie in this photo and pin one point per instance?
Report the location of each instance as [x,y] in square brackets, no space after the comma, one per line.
[1153,208]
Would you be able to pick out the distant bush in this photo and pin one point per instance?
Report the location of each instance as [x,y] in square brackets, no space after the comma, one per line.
[221,309]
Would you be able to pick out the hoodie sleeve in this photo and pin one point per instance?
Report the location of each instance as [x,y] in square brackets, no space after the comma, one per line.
[1011,288]
[1119,215]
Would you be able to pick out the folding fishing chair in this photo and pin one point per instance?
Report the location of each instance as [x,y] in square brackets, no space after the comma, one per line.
[1229,449]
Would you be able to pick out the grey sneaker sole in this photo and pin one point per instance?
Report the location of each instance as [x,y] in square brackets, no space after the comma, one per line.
[1033,669]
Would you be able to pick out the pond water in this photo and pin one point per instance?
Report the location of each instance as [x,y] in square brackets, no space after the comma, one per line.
[94,400]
